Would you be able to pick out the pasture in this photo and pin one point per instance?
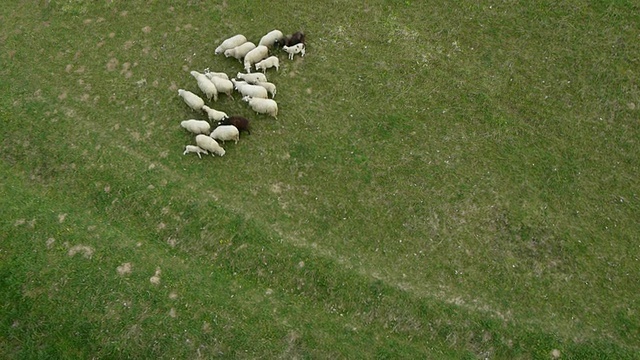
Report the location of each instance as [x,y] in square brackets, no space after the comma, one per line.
[444,180]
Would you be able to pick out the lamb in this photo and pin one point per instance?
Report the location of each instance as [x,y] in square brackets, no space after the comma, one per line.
[192,100]
[242,124]
[247,89]
[230,43]
[206,86]
[263,106]
[240,51]
[271,61]
[295,49]
[272,37]
[207,143]
[195,149]
[255,55]
[295,38]
[210,74]
[213,114]
[271,87]
[196,126]
[225,132]
[252,78]
[222,85]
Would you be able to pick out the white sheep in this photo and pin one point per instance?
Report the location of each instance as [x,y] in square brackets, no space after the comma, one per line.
[247,89]
[211,74]
[206,86]
[272,37]
[271,61]
[213,114]
[222,85]
[255,55]
[295,49]
[226,132]
[271,87]
[192,100]
[207,143]
[195,149]
[240,51]
[263,106]
[230,43]
[196,126]
[252,78]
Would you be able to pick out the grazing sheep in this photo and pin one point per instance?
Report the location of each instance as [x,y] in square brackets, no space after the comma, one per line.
[271,38]
[196,126]
[271,87]
[295,38]
[255,55]
[263,106]
[247,89]
[252,78]
[206,86]
[207,143]
[211,74]
[192,100]
[295,49]
[222,85]
[225,132]
[242,124]
[271,61]
[240,51]
[213,114]
[195,149]
[230,43]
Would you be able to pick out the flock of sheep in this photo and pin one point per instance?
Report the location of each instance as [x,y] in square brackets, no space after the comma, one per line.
[254,87]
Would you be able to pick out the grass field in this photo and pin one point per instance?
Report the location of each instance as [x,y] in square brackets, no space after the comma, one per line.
[444,181]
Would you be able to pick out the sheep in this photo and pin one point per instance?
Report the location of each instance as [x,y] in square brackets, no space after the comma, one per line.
[207,143]
[295,38]
[271,61]
[252,78]
[295,49]
[230,43]
[226,132]
[222,85]
[195,149]
[206,86]
[242,124]
[240,51]
[213,114]
[247,89]
[196,126]
[211,74]
[271,87]
[272,37]
[263,106]
[255,55]
[192,100]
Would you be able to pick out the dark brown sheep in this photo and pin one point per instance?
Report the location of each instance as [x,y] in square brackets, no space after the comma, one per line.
[238,121]
[293,39]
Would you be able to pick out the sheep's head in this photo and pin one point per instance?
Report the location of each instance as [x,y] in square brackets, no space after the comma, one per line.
[246,98]
[205,108]
[180,91]
[227,53]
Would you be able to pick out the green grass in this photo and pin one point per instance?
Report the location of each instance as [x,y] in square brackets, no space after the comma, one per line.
[443,181]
